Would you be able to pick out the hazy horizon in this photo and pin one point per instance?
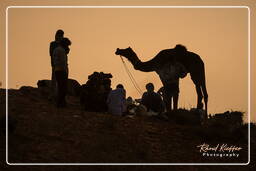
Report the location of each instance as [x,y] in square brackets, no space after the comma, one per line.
[219,36]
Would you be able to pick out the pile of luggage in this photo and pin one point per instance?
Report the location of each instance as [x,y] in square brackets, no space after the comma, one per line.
[94,93]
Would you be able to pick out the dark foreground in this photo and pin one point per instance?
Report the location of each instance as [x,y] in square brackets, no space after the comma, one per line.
[44,134]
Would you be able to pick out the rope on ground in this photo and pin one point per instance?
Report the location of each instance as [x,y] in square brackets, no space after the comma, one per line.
[131,77]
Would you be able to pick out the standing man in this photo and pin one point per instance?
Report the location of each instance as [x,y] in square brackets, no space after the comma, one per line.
[54,44]
[60,65]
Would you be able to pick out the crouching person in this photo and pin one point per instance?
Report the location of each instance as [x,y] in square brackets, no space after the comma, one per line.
[116,100]
[61,70]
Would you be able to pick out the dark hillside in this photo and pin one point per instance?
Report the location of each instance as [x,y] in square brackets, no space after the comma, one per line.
[41,133]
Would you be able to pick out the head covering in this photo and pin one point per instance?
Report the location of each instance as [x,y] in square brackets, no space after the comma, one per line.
[59,34]
[119,86]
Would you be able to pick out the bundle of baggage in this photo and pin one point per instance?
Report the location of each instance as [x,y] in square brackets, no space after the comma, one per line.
[94,93]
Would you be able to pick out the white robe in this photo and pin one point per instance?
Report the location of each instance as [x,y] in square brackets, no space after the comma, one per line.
[116,101]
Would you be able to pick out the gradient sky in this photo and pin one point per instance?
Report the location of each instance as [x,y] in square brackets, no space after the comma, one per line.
[219,36]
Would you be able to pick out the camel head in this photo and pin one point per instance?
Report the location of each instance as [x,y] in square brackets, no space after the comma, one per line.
[127,53]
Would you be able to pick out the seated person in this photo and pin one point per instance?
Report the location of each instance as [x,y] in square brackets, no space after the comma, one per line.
[152,100]
[130,106]
[116,100]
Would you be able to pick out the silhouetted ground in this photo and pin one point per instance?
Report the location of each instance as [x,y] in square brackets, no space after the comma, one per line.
[45,134]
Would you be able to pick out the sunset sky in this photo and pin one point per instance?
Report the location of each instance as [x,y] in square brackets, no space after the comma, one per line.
[218,35]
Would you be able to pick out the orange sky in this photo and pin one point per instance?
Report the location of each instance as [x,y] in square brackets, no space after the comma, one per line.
[219,36]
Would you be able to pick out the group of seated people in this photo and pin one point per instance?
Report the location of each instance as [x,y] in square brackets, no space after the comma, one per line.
[151,101]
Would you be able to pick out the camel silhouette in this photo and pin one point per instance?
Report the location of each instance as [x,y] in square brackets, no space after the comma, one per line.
[169,60]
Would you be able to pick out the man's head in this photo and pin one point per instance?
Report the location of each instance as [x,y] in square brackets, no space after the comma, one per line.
[119,86]
[59,35]
[150,87]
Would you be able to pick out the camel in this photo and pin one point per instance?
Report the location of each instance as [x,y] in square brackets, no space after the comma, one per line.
[172,64]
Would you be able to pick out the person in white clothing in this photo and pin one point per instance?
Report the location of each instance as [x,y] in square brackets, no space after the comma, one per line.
[116,100]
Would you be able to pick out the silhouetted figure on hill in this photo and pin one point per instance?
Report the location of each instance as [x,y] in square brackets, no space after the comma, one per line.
[54,44]
[60,65]
[172,64]
[117,100]
[152,100]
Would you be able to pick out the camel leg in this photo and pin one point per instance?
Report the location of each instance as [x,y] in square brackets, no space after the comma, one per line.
[206,101]
[199,97]
[206,110]
[168,104]
[205,97]
[175,101]
[167,97]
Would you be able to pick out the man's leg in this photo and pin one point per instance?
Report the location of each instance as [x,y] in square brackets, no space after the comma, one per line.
[65,83]
[168,103]
[53,93]
[58,81]
[167,99]
[175,94]
[62,87]
[175,101]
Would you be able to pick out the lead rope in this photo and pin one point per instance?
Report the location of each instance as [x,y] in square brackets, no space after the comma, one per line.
[131,77]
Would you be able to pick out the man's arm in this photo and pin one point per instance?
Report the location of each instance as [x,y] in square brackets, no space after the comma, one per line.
[51,49]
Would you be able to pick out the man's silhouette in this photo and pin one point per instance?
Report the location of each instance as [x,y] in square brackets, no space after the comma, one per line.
[60,65]
[152,100]
[53,45]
